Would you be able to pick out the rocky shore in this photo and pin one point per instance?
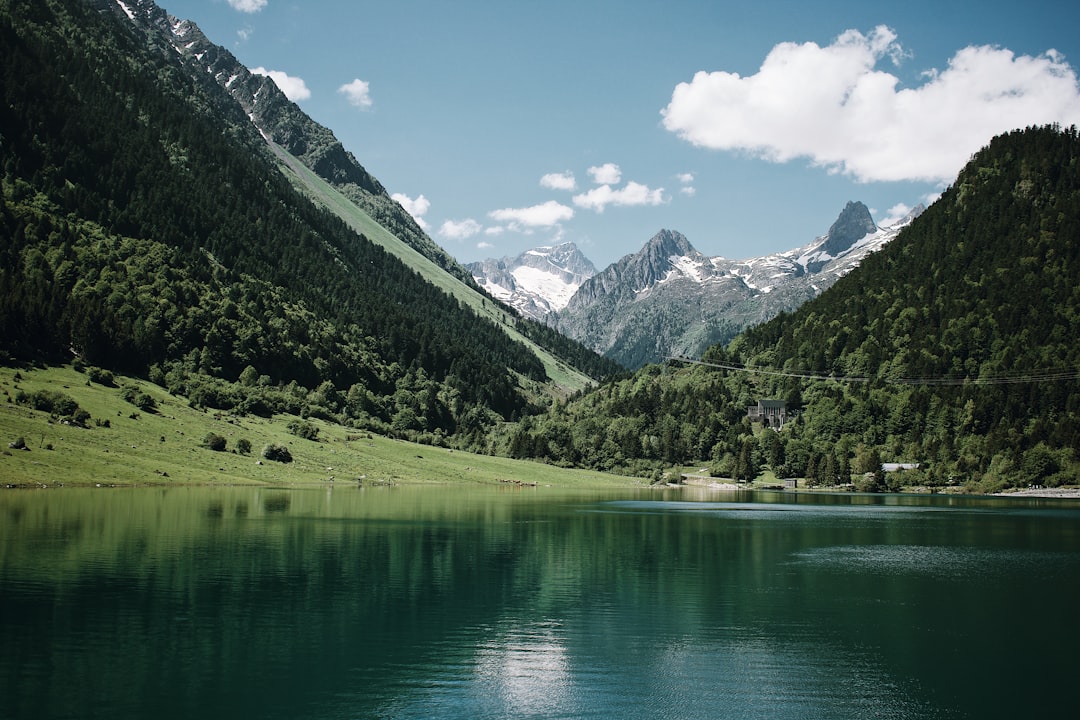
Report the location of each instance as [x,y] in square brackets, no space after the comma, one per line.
[1043,492]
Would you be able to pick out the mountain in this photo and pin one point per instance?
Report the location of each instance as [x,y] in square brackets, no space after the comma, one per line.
[669,299]
[279,120]
[164,212]
[952,347]
[536,282]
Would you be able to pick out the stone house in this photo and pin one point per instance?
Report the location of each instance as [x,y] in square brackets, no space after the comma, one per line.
[770,413]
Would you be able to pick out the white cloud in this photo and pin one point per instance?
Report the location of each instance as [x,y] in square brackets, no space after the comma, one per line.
[248,6]
[417,207]
[245,33]
[483,245]
[459,230]
[687,189]
[524,219]
[631,194]
[894,215]
[559,181]
[833,106]
[358,93]
[606,174]
[294,88]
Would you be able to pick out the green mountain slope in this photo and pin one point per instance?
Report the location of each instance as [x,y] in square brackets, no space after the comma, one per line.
[146,226]
[954,347]
[568,364]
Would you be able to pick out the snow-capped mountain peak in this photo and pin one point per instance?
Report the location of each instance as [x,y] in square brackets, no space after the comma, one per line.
[537,281]
[669,299]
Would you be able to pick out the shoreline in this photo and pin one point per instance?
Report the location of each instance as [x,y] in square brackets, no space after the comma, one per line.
[1042,493]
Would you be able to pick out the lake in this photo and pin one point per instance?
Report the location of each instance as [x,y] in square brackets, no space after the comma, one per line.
[496,602]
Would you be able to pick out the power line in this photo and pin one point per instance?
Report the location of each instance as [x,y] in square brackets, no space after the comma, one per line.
[1016,379]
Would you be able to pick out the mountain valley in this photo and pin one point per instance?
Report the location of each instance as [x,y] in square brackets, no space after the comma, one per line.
[169,216]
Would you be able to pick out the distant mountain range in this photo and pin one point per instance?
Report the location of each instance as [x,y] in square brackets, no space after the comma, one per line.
[670,299]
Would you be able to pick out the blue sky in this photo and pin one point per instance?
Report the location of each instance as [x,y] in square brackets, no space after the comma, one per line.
[746,126]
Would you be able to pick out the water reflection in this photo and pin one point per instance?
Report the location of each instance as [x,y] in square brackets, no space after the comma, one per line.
[475,603]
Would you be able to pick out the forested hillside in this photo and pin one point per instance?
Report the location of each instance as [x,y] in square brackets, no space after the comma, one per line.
[954,347]
[145,227]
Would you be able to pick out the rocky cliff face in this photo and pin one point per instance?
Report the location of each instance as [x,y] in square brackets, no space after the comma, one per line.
[853,225]
[669,299]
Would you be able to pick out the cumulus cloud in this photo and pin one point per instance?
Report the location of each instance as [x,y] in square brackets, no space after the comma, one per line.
[559,181]
[524,219]
[894,214]
[606,174]
[358,93]
[686,189]
[460,229]
[294,88]
[484,245]
[834,106]
[247,6]
[417,207]
[631,194]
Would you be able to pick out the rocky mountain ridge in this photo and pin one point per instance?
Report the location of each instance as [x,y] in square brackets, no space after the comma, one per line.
[670,299]
[536,282]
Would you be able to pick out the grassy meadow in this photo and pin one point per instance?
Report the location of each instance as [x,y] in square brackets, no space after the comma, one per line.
[124,446]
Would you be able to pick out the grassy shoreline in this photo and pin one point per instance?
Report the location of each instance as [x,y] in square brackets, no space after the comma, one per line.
[165,447]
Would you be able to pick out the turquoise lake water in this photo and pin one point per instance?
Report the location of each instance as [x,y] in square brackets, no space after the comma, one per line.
[487,602]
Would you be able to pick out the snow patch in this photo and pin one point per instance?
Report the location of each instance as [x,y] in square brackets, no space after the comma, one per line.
[556,291]
[126,9]
[251,117]
[180,28]
[686,266]
[497,291]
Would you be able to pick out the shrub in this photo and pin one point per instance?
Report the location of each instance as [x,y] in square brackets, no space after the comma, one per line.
[243,446]
[156,375]
[100,376]
[138,398]
[278,453]
[215,442]
[303,429]
[56,403]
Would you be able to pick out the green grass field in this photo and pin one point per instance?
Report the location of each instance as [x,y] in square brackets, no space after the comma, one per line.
[165,447]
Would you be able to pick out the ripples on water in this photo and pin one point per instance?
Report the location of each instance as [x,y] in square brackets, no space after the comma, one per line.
[446,604]
[986,564]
